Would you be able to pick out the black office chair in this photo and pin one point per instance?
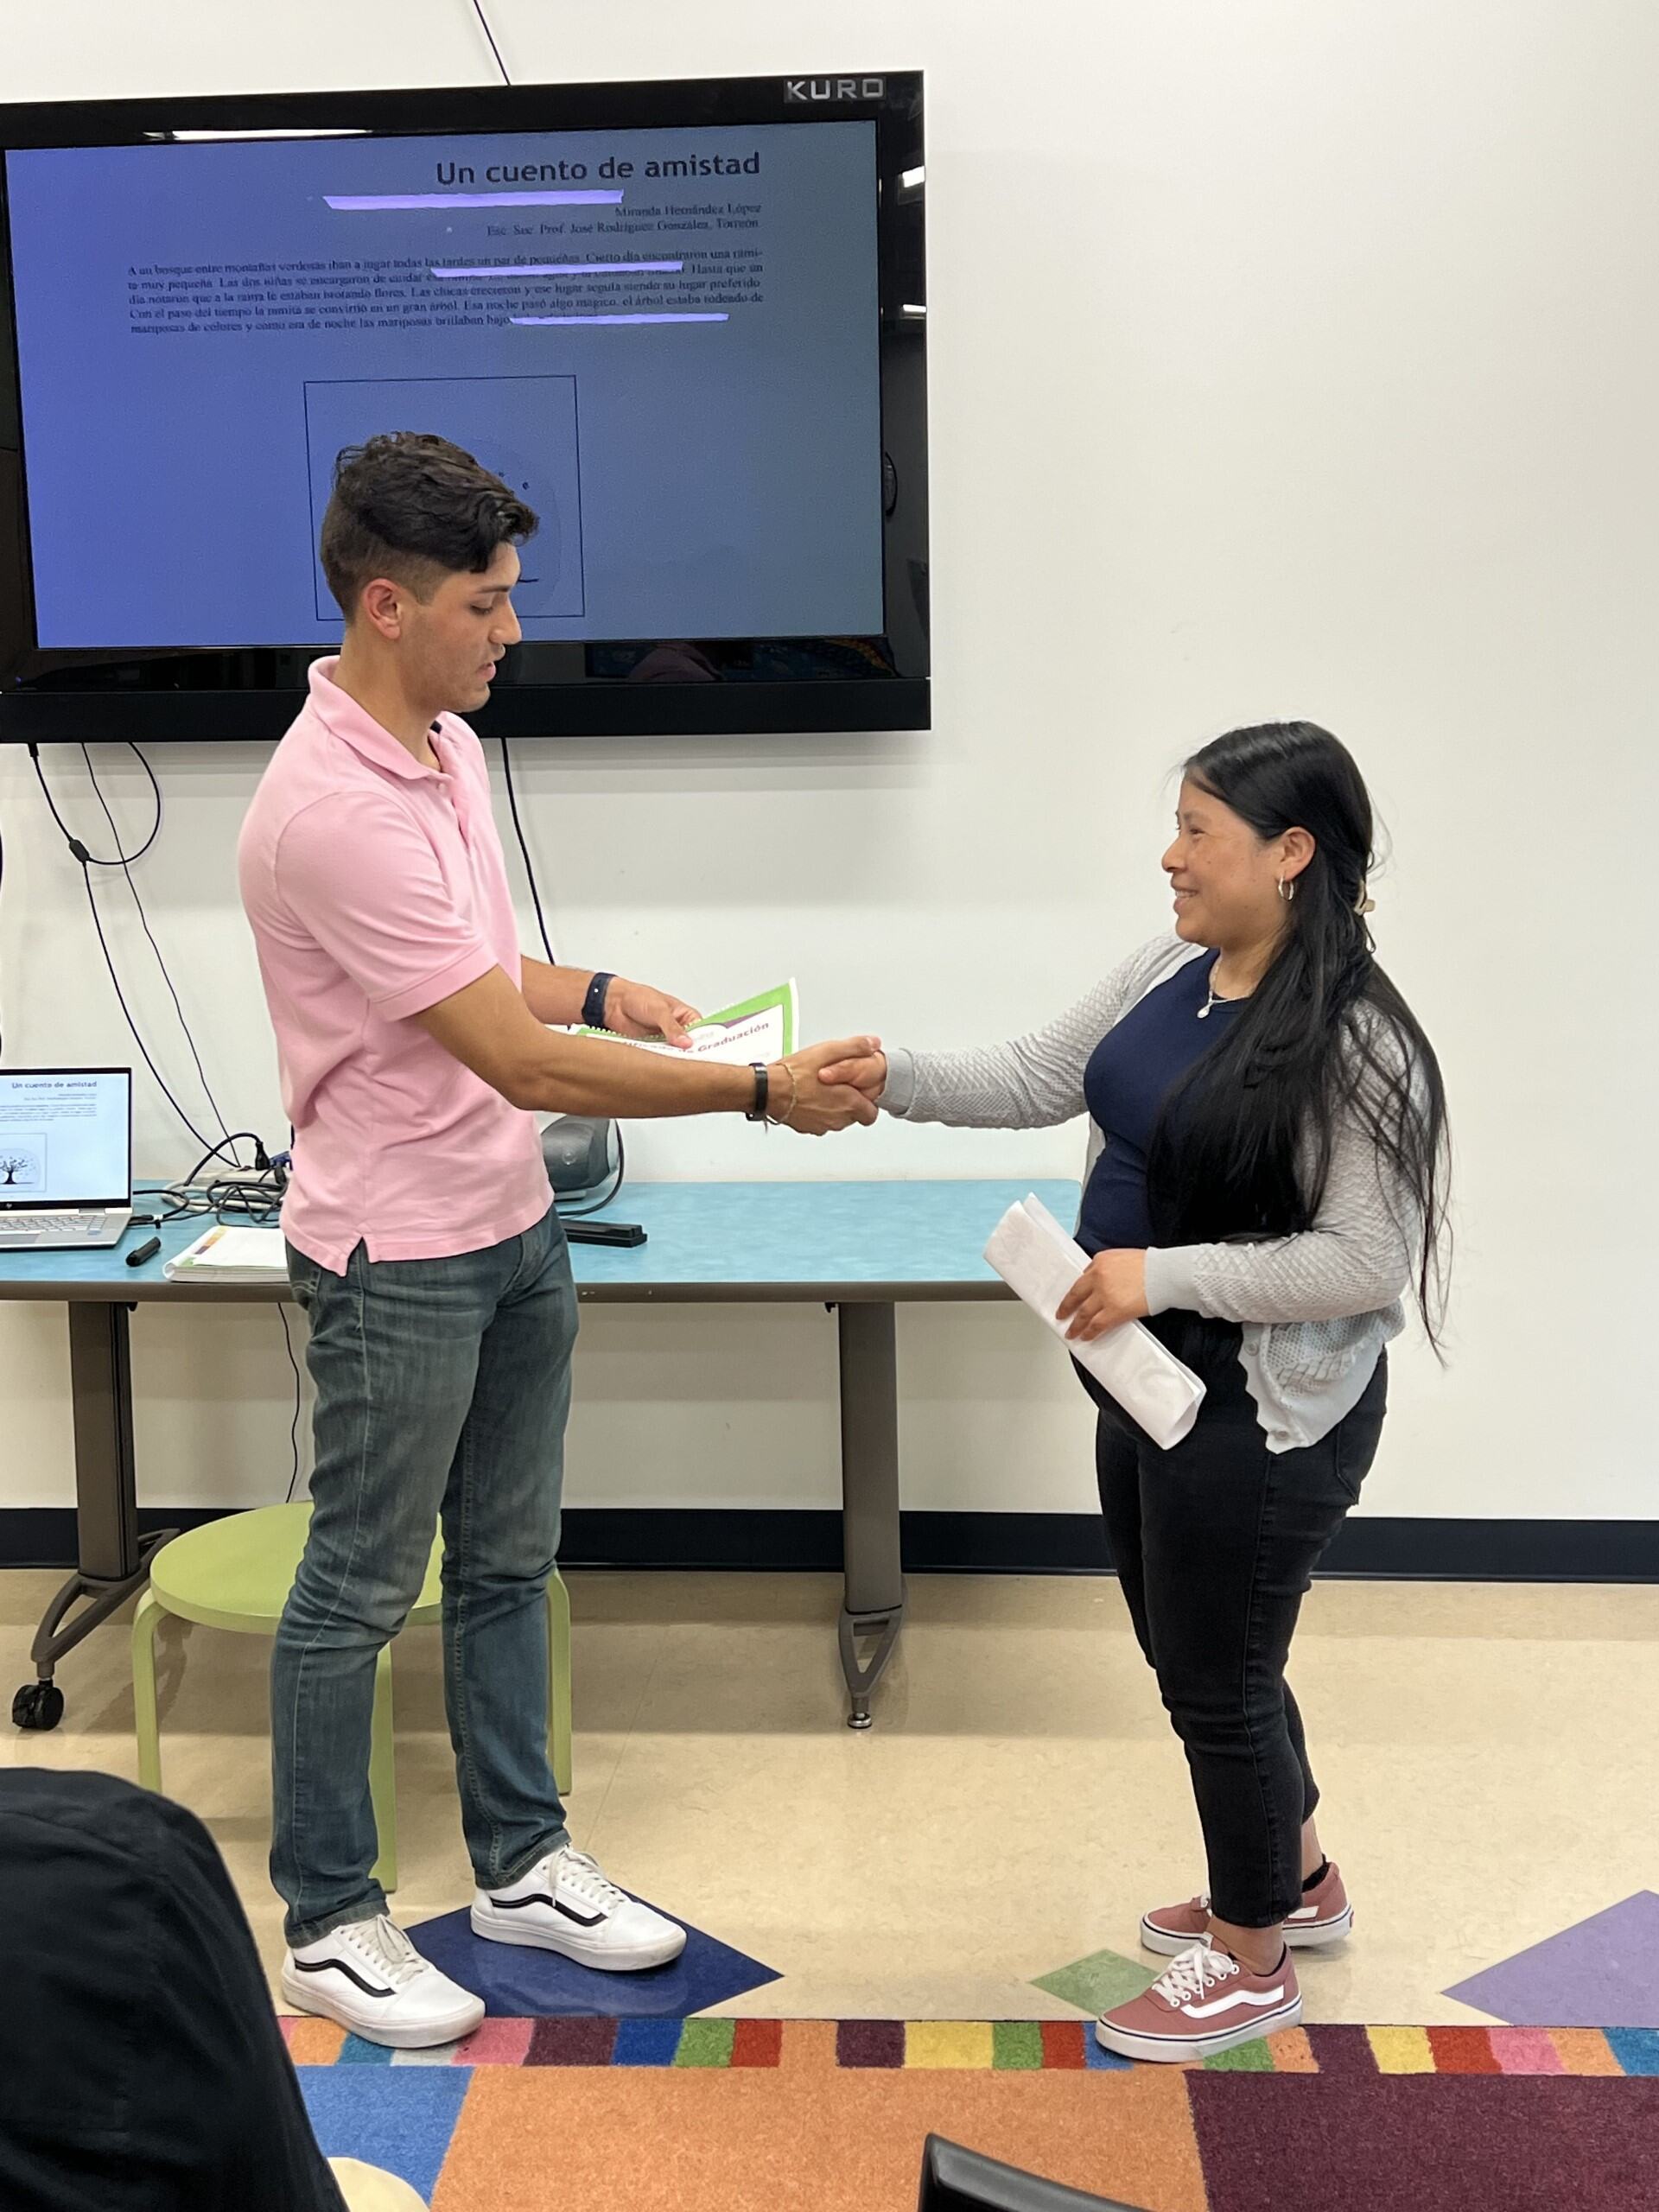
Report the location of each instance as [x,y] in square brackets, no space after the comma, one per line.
[955,2180]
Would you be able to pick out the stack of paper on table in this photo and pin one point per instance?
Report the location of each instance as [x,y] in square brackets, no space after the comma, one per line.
[1036,1258]
[232,1255]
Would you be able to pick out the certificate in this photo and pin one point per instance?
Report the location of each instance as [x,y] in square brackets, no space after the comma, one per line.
[765,1028]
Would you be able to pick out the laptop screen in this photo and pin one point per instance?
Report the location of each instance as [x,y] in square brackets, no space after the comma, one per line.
[65,1137]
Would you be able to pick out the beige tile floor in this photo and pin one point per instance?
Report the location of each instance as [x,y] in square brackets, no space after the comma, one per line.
[1488,1753]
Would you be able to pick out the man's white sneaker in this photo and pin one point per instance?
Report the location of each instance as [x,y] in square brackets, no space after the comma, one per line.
[564,1903]
[370,1977]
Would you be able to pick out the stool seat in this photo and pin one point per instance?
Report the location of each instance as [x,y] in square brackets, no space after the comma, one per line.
[236,1574]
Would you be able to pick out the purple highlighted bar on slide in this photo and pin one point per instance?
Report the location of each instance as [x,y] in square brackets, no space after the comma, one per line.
[534,321]
[354,203]
[571,269]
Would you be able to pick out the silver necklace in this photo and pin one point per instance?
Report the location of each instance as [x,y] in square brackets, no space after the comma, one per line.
[1214,999]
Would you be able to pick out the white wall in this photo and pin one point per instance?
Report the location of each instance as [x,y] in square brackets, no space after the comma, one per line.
[1286,358]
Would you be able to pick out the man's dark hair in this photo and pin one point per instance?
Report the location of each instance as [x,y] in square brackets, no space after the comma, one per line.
[414,508]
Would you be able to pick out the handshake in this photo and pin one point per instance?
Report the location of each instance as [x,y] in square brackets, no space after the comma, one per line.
[823,1088]
[828,1087]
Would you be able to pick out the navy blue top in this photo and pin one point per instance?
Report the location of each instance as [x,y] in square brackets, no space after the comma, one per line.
[1129,1074]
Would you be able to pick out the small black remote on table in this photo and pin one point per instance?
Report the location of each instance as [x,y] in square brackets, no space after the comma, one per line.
[628,1233]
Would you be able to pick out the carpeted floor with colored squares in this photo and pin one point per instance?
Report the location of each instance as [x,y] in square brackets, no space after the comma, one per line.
[553,2102]
[645,2115]
[903,1932]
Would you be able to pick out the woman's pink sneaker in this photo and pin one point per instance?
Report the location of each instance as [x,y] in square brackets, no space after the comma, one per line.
[1207,2003]
[1324,1915]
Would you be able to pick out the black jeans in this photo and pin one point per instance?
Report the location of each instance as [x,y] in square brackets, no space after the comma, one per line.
[1215,1544]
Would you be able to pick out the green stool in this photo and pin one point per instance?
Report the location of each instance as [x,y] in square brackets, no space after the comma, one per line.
[237,1573]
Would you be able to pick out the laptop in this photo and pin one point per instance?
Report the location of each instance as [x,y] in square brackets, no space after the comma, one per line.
[66,1158]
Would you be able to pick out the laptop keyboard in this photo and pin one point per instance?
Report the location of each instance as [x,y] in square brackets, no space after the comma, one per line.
[29,1228]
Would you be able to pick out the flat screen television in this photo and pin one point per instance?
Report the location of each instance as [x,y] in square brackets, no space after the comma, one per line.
[687,322]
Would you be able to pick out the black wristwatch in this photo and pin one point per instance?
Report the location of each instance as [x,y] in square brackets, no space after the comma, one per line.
[762,1092]
[592,1006]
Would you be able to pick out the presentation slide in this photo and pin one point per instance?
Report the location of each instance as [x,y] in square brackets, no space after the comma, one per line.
[64,1139]
[665,341]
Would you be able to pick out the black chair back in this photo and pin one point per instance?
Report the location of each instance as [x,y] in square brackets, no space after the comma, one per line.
[955,2180]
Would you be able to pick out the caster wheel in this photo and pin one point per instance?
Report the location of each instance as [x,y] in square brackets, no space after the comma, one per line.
[38,1706]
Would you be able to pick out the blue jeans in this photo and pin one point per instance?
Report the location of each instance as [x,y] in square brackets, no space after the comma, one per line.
[443,1389]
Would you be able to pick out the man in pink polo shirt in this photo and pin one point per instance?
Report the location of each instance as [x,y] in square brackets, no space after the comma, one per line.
[415,1049]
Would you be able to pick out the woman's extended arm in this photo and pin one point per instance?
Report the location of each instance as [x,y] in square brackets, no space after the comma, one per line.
[1033,1082]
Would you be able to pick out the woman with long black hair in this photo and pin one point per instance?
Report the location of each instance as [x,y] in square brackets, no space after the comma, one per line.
[1266,1183]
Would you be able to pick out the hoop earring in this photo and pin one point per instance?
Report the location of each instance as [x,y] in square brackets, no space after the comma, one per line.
[1287,888]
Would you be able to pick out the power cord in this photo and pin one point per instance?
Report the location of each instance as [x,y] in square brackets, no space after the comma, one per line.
[484,20]
[254,1196]
[618,1177]
[524,851]
[124,860]
[597,1205]
[91,860]
[294,1426]
[132,886]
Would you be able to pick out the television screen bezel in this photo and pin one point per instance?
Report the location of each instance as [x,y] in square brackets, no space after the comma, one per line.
[253,692]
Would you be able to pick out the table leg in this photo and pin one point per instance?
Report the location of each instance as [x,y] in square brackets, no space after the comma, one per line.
[113,1560]
[874,1603]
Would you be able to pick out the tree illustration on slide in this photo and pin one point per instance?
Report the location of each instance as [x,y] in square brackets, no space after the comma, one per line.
[12,1165]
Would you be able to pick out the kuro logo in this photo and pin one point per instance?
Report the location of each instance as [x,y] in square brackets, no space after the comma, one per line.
[835,88]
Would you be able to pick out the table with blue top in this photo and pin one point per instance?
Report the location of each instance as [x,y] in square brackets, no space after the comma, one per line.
[862,1249]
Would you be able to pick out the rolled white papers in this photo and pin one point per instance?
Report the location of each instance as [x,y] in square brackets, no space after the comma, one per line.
[1039,1263]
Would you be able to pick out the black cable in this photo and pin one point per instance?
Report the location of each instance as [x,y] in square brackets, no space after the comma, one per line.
[524,849]
[92,859]
[256,1198]
[185,1198]
[244,1199]
[479,11]
[126,869]
[227,1199]
[87,863]
[215,1151]
[566,1213]
[619,1176]
[85,877]
[294,1426]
